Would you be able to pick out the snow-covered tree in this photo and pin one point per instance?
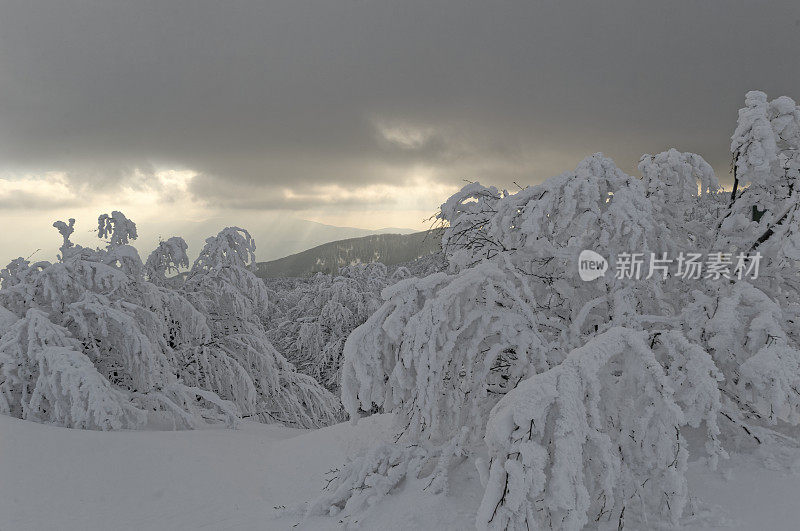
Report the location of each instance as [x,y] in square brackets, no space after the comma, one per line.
[596,438]
[581,391]
[169,257]
[443,349]
[100,340]
[47,377]
[766,148]
[110,364]
[318,314]
[238,361]
[682,188]
[755,152]
[753,340]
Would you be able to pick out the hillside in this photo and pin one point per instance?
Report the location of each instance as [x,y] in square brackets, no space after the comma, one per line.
[390,249]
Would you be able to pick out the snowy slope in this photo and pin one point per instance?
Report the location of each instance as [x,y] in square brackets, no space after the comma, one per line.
[57,478]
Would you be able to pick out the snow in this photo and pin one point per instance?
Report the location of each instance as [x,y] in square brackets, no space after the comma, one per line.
[209,478]
[501,392]
[234,479]
[747,495]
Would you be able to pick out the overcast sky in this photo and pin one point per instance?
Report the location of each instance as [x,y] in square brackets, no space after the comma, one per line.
[363,113]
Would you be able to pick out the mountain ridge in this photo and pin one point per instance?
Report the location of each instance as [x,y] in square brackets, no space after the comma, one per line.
[390,249]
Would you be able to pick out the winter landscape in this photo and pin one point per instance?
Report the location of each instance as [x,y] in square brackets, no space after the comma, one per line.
[489,375]
[608,345]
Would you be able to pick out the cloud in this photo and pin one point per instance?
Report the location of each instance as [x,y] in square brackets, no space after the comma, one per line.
[274,104]
[36,192]
[25,200]
[418,189]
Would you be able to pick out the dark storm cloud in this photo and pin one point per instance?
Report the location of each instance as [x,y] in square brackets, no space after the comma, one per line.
[298,94]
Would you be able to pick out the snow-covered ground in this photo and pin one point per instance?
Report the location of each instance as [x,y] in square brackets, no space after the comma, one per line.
[59,478]
[260,476]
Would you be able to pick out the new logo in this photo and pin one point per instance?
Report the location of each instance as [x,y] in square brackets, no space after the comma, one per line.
[591,265]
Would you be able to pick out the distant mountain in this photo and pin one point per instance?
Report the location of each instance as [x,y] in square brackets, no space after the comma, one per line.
[280,237]
[276,235]
[389,249]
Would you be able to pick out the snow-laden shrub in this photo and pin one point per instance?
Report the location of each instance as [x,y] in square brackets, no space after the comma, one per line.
[168,258]
[238,361]
[684,193]
[47,377]
[766,156]
[315,316]
[582,391]
[443,349]
[595,206]
[366,479]
[596,438]
[754,342]
[446,347]
[372,477]
[103,311]
[102,341]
